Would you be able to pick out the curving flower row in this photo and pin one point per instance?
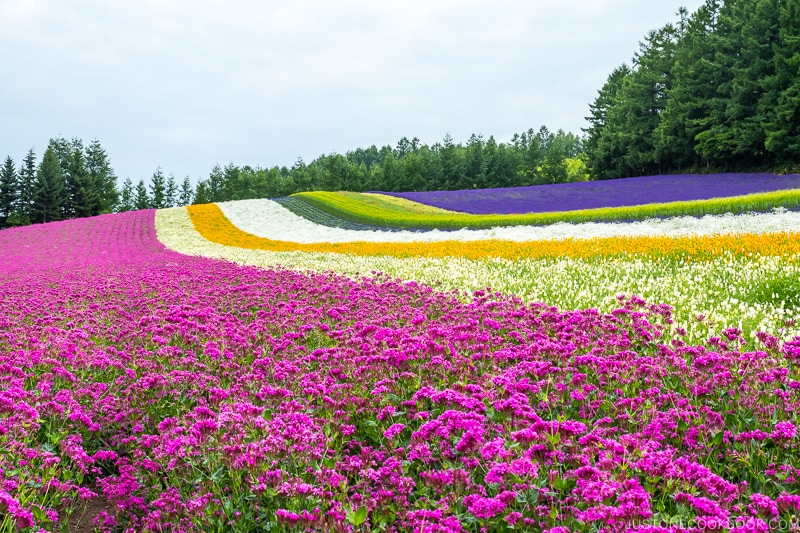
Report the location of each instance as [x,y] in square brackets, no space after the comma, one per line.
[186,393]
[269,219]
[733,286]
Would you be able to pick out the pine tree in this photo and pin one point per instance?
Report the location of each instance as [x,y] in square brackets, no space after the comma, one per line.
[644,97]
[753,68]
[27,179]
[49,192]
[186,192]
[170,191]
[695,78]
[9,191]
[602,149]
[231,187]
[63,150]
[102,178]
[201,193]
[81,192]
[715,142]
[141,200]
[157,189]
[214,184]
[126,197]
[782,121]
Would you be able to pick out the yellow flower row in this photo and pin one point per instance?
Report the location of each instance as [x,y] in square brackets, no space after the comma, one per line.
[212,224]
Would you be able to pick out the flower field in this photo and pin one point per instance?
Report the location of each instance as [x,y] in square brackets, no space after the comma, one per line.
[362,209]
[236,367]
[609,193]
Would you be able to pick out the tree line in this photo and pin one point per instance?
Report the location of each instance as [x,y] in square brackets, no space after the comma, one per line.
[71,180]
[76,180]
[532,157]
[717,90]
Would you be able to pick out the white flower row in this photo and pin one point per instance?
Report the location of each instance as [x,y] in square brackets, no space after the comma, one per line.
[722,289]
[271,220]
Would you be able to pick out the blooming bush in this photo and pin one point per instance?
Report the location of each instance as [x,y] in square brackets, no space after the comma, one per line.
[194,394]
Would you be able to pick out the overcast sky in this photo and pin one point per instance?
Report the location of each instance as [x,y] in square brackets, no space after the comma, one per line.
[185,85]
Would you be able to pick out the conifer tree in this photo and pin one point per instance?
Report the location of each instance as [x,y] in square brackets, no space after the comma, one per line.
[141,200]
[49,192]
[201,193]
[696,76]
[158,189]
[9,191]
[170,191]
[186,194]
[27,179]
[81,191]
[102,178]
[782,120]
[214,184]
[126,197]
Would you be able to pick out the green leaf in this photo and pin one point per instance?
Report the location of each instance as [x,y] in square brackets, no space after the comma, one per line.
[357,517]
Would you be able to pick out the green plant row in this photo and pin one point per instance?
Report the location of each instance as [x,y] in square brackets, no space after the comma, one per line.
[350,208]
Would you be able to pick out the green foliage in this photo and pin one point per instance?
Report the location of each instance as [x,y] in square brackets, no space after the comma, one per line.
[350,207]
[532,157]
[718,90]
[777,288]
[8,191]
[27,177]
[158,190]
[185,193]
[140,199]
[102,178]
[49,194]
[85,184]
[170,191]
[782,125]
[81,191]
[126,196]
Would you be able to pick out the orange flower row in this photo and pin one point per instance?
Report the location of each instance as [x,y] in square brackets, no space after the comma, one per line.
[212,224]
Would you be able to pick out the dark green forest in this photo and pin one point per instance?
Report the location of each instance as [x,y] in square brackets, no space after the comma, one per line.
[716,90]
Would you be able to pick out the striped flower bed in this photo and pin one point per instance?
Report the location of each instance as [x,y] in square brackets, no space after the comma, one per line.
[271,220]
[742,280]
[150,369]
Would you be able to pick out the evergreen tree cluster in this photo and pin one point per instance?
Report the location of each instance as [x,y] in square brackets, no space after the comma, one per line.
[718,90]
[161,192]
[71,180]
[533,157]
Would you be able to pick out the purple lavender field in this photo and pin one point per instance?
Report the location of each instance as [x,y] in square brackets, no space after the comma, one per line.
[609,193]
